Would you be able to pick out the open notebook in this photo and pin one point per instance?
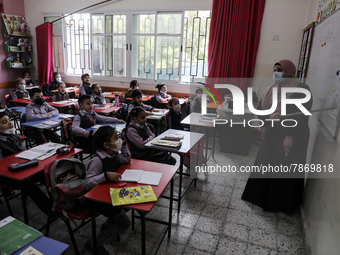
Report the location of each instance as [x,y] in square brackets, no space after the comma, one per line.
[40,152]
[140,176]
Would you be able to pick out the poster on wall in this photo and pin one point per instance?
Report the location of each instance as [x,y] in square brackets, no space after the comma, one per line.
[16,25]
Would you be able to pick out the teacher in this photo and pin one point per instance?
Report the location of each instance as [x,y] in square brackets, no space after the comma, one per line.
[281,146]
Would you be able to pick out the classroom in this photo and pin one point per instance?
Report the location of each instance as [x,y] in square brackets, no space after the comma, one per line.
[141,85]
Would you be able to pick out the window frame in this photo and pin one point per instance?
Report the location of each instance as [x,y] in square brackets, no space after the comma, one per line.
[129,36]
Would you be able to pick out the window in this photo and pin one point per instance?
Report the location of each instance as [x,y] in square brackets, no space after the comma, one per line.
[161,46]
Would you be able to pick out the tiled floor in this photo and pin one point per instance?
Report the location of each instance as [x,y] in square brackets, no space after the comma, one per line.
[213,220]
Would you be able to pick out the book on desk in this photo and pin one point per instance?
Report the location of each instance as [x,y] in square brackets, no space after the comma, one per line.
[140,176]
[40,152]
[132,195]
[167,143]
[15,235]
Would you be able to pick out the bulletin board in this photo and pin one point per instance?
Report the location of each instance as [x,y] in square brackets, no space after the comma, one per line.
[323,75]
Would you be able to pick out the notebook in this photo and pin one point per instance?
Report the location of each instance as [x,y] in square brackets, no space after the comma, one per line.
[132,195]
[166,143]
[140,176]
[15,235]
[40,152]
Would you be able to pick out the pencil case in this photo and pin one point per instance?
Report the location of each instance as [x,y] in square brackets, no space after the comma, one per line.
[23,165]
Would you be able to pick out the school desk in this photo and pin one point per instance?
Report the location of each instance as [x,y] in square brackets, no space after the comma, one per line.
[144,98]
[111,95]
[194,119]
[26,175]
[35,123]
[107,111]
[17,111]
[156,119]
[119,126]
[70,90]
[188,142]
[23,101]
[65,106]
[100,194]
[45,245]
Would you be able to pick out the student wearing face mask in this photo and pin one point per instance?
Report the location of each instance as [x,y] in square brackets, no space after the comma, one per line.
[85,87]
[174,116]
[111,153]
[196,103]
[38,109]
[98,97]
[280,146]
[29,81]
[54,84]
[138,134]
[20,91]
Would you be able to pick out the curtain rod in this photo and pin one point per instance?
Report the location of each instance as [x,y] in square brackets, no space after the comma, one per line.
[93,5]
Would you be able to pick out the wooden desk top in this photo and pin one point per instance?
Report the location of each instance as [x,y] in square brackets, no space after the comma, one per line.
[101,192]
[112,108]
[190,140]
[27,173]
[69,103]
[194,119]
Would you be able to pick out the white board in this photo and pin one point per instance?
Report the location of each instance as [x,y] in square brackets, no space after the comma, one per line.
[323,75]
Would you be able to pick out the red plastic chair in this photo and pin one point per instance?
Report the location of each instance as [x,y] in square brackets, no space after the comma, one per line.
[82,212]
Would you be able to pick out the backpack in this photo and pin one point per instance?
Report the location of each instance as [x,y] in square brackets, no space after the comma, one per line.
[67,179]
[153,101]
[45,90]
[123,112]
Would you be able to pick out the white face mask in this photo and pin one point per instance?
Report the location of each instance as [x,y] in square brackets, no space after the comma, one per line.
[199,96]
[58,79]
[119,145]
[177,107]
[277,77]
[22,87]
[10,131]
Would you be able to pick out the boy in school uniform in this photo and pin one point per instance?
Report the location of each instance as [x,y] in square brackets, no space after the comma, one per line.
[54,84]
[20,91]
[87,118]
[38,109]
[10,143]
[137,101]
[97,96]
[111,153]
[29,81]
[85,87]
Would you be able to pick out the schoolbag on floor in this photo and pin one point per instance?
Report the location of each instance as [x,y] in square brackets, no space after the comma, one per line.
[67,179]
[122,112]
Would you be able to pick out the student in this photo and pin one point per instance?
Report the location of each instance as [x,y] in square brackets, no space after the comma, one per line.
[60,94]
[133,86]
[85,87]
[87,118]
[28,79]
[97,96]
[111,153]
[196,103]
[138,134]
[20,91]
[137,101]
[38,109]
[162,95]
[174,116]
[53,85]
[10,143]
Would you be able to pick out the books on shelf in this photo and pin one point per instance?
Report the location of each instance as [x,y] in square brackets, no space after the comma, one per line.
[40,152]
[140,176]
[166,143]
[15,235]
[132,195]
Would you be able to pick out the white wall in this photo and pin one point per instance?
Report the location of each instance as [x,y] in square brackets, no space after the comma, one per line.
[286,19]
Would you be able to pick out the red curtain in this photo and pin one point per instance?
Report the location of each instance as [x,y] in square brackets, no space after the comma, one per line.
[233,41]
[45,52]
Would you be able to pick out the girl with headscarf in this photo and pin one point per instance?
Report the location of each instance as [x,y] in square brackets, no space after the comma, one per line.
[281,147]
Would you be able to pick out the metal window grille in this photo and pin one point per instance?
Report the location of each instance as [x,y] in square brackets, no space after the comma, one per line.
[195,46]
